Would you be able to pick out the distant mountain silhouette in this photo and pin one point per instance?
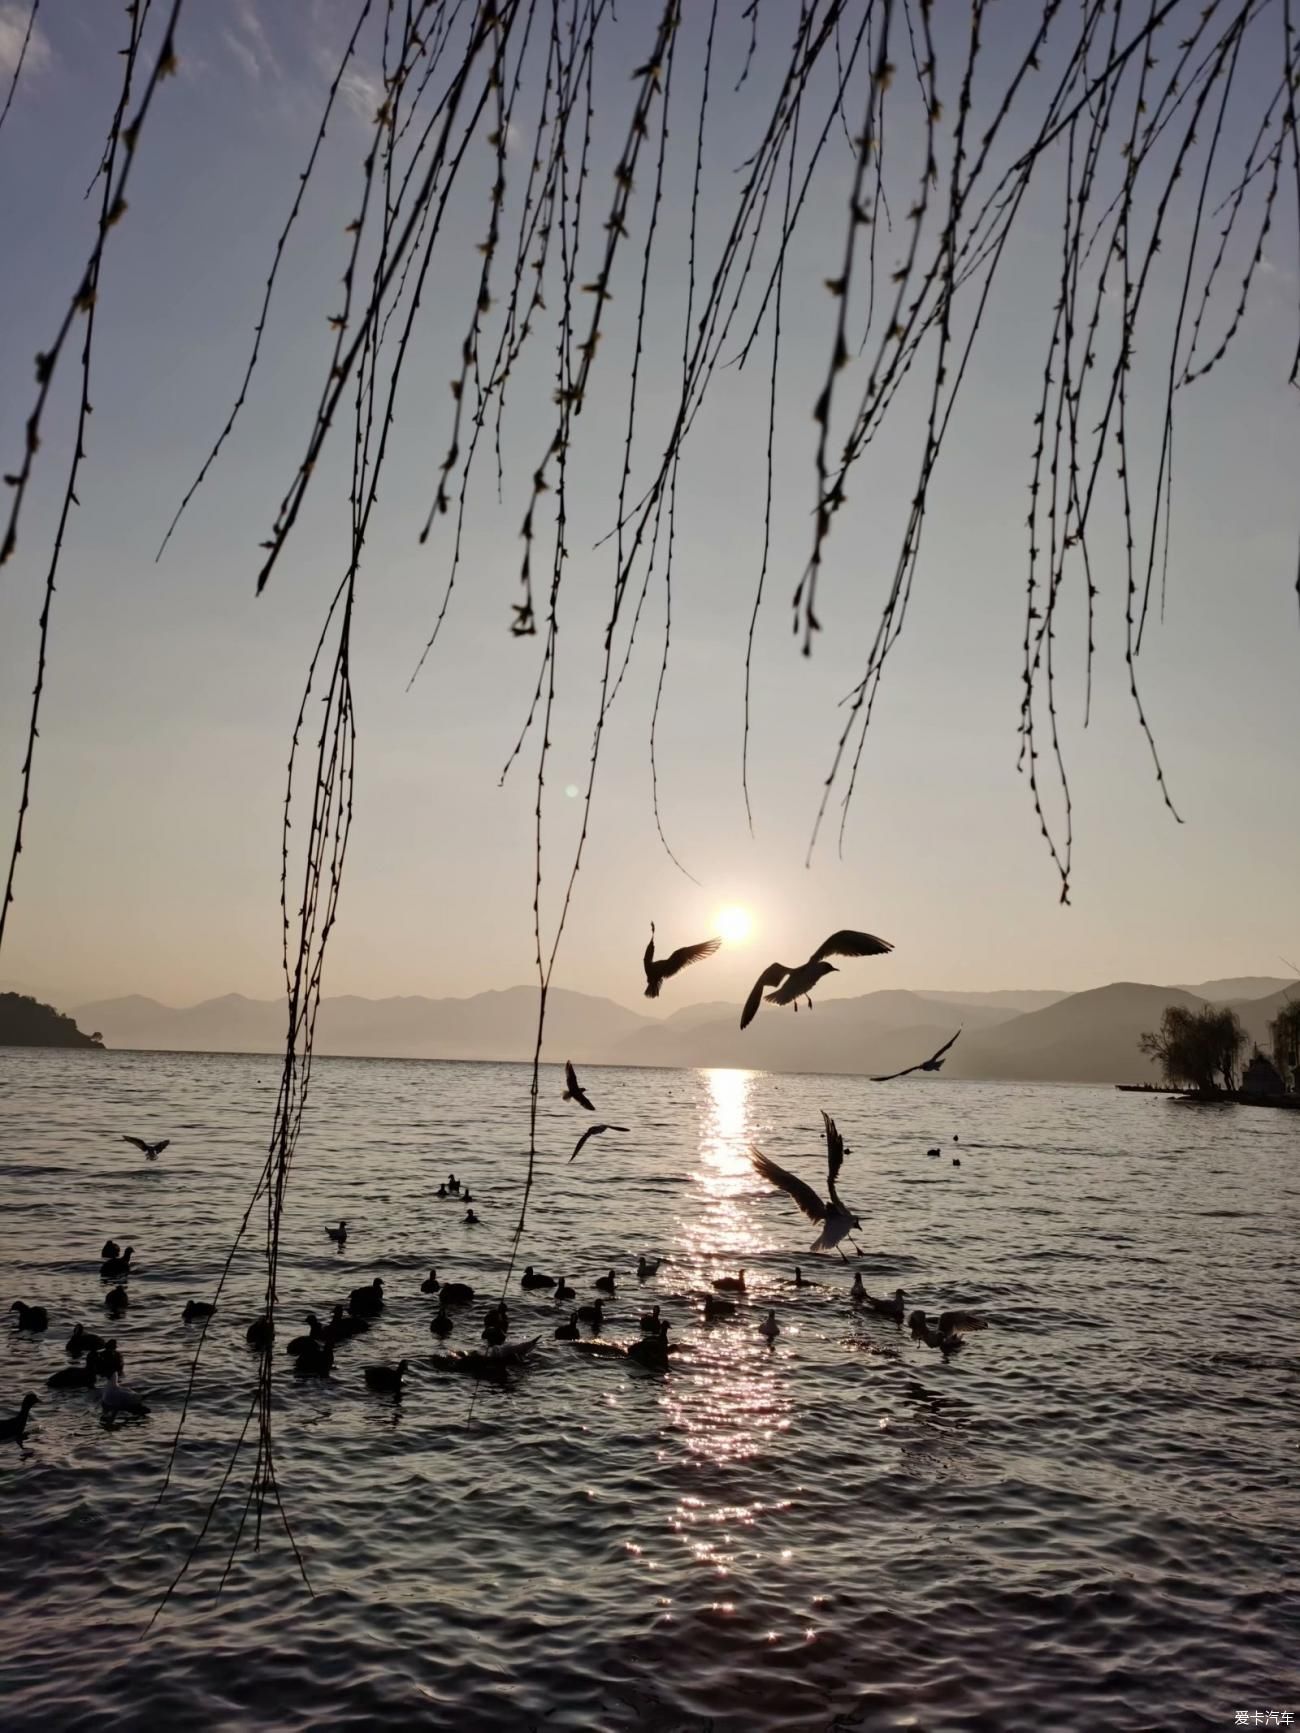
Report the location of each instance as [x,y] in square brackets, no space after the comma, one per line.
[496,1025]
[1239,987]
[1011,999]
[25,1022]
[1089,1037]
[873,1032]
[1255,1015]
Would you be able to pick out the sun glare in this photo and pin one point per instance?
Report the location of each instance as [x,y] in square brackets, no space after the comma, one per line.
[735,925]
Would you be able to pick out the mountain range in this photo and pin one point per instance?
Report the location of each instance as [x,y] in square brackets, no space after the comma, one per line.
[1035,1035]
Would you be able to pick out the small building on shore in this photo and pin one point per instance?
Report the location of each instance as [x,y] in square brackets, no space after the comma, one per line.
[1262,1077]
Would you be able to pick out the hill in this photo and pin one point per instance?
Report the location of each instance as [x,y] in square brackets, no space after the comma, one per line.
[25,1022]
[874,1032]
[1010,999]
[1090,1037]
[1256,1014]
[496,1025]
[1239,987]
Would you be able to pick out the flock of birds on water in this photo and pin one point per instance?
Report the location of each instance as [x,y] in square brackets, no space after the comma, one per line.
[92,1357]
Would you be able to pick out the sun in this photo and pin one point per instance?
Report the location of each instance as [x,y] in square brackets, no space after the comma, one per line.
[735,925]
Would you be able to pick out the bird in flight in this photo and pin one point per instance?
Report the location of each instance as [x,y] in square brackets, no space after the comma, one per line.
[593,1131]
[837,1221]
[791,985]
[573,1090]
[151,1150]
[659,971]
[933,1063]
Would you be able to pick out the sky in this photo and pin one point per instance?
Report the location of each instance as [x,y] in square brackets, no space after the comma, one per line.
[153,850]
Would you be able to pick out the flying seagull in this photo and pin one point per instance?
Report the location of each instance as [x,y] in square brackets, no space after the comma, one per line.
[573,1090]
[933,1063]
[151,1150]
[593,1131]
[656,973]
[837,1221]
[791,985]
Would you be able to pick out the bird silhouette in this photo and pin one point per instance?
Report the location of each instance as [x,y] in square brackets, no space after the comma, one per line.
[117,1399]
[652,1351]
[304,1344]
[151,1150]
[948,1341]
[82,1341]
[892,1309]
[792,984]
[573,1090]
[657,971]
[367,1302]
[386,1379]
[339,1234]
[260,1332]
[14,1425]
[933,1063]
[837,1221]
[316,1360]
[72,1378]
[593,1131]
[102,1361]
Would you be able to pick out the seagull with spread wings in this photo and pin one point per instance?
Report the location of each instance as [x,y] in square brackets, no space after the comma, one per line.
[792,984]
[933,1063]
[151,1150]
[593,1131]
[659,970]
[837,1221]
[573,1090]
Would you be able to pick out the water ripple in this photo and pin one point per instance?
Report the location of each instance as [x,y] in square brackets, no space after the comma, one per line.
[1092,1504]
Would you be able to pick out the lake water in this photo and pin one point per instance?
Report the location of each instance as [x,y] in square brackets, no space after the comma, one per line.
[1087,1518]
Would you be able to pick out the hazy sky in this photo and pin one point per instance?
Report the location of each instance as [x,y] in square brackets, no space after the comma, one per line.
[152,860]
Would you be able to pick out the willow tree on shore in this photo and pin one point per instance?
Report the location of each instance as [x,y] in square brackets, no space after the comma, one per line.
[1165,160]
[1284,1032]
[1197,1050]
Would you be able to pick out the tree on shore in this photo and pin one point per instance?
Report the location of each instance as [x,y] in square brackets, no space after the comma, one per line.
[1197,1050]
[1285,1031]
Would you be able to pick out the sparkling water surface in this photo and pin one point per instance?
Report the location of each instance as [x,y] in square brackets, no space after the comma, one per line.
[1087,1518]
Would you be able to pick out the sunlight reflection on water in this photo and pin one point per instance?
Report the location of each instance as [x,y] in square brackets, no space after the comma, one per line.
[736,1405]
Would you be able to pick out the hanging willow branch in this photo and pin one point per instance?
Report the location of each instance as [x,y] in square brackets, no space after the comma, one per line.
[1145,121]
[20,62]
